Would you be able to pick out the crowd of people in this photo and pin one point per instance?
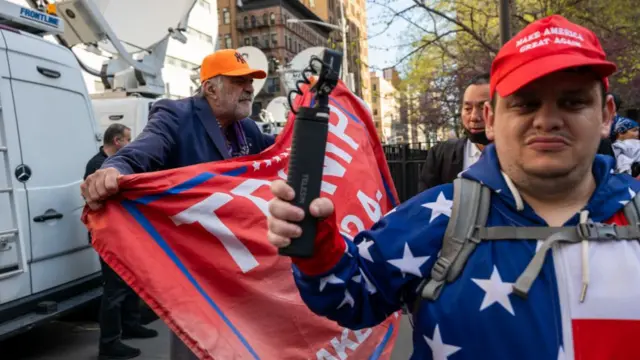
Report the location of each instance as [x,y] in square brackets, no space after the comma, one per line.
[534,125]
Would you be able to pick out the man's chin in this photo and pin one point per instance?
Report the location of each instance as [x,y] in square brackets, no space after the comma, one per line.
[548,170]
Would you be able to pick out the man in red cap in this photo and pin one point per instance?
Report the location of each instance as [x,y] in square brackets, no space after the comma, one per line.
[209,126]
[470,267]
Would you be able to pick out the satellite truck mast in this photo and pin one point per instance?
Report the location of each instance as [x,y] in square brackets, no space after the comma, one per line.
[114,26]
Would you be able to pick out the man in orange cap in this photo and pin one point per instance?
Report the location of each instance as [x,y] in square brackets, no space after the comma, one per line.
[470,267]
[209,126]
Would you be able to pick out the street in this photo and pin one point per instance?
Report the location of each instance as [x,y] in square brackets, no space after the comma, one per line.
[71,339]
[76,340]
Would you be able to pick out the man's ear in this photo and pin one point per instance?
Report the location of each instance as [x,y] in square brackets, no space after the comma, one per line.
[489,119]
[608,112]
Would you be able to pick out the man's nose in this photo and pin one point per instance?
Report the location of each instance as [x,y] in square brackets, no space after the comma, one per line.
[476,114]
[249,88]
[548,117]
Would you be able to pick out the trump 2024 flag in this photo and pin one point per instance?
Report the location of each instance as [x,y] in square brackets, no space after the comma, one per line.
[192,243]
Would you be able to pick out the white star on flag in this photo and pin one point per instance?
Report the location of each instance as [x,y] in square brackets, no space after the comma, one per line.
[442,206]
[363,249]
[409,264]
[256,165]
[440,350]
[268,162]
[348,299]
[632,194]
[495,291]
[277,159]
[331,279]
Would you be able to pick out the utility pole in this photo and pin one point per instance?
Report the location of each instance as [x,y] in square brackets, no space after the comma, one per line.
[505,26]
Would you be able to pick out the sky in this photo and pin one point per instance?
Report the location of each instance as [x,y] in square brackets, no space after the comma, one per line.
[381,58]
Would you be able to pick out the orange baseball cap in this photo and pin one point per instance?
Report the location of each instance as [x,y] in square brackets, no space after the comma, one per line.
[227,62]
[543,47]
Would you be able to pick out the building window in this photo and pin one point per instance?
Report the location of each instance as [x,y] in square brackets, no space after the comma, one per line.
[180,63]
[205,5]
[226,16]
[266,40]
[255,41]
[375,112]
[274,39]
[273,18]
[265,19]
[227,41]
[286,38]
[247,41]
[254,22]
[289,47]
[245,21]
[199,35]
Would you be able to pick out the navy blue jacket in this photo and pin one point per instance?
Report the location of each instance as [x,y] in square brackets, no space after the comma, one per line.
[181,133]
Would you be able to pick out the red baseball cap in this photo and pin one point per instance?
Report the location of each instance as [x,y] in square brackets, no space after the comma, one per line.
[543,47]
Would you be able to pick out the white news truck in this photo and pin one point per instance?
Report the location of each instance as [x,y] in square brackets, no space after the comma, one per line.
[48,132]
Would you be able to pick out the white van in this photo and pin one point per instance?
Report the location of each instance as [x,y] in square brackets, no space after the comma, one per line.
[47,135]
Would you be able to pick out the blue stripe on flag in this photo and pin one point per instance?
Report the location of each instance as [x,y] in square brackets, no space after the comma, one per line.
[146,224]
[387,189]
[380,348]
[345,111]
[187,185]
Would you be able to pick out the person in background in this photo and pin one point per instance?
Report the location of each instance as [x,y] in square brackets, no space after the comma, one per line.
[627,146]
[120,310]
[447,159]
[606,144]
[210,126]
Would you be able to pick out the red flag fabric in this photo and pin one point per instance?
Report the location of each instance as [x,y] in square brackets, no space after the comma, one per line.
[192,243]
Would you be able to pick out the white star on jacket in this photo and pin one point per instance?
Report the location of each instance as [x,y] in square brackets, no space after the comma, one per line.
[368,284]
[496,291]
[409,264]
[632,194]
[331,279]
[348,299]
[363,249]
[561,355]
[439,349]
[441,206]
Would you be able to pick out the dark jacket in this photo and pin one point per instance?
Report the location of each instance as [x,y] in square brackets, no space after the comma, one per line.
[181,133]
[95,163]
[605,148]
[444,162]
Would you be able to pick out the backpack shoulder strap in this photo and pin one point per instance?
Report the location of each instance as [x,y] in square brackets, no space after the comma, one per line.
[632,211]
[471,203]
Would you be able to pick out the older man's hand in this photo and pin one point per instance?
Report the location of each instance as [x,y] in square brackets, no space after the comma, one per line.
[99,186]
[283,214]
